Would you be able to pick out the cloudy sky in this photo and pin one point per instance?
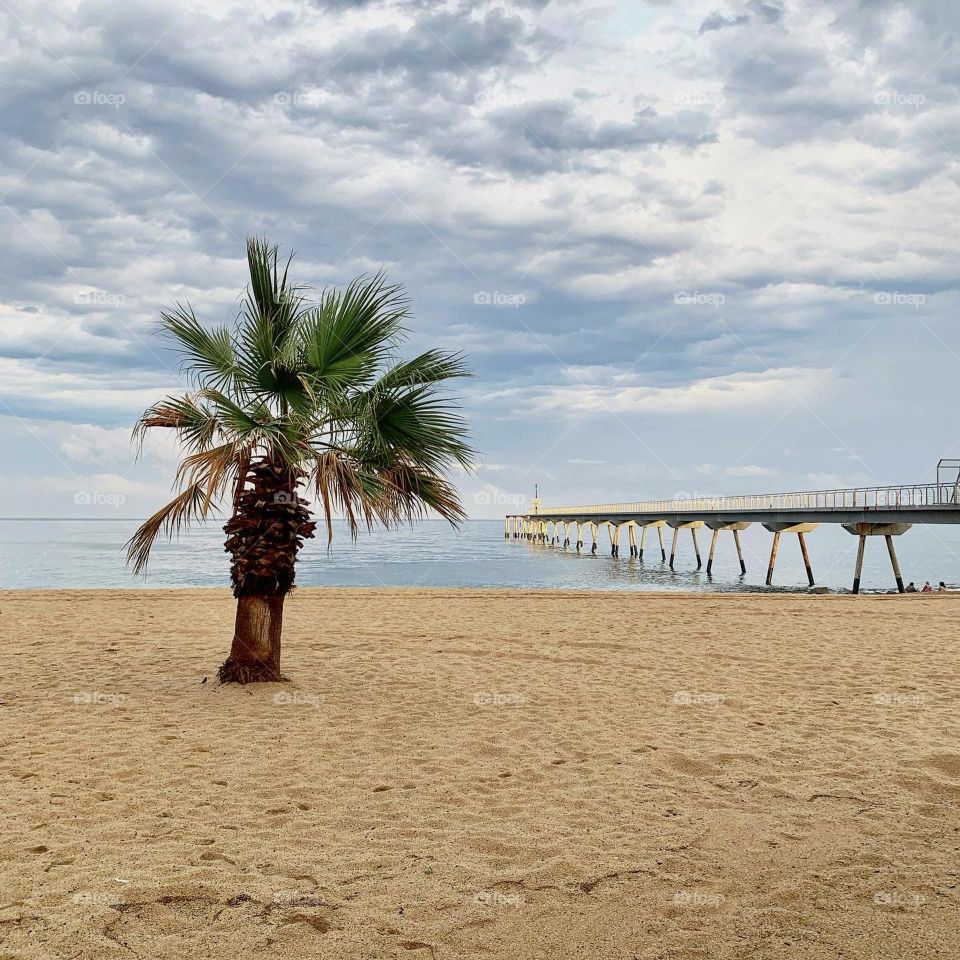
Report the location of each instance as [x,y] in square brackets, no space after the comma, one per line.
[694,247]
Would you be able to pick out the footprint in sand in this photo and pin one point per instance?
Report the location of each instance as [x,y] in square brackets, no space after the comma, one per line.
[415,945]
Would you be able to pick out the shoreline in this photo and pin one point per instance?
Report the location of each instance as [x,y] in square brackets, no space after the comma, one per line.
[781,592]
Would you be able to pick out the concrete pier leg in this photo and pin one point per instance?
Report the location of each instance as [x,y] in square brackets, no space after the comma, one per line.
[595,530]
[506,529]
[643,540]
[806,558]
[713,550]
[773,557]
[663,553]
[673,545]
[894,563]
[859,570]
[696,547]
[632,531]
[579,536]
[736,540]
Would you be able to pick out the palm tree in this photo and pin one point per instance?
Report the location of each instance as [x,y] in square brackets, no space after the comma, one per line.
[301,396]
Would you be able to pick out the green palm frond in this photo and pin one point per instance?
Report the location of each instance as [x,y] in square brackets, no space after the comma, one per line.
[208,355]
[414,422]
[270,313]
[351,333]
[431,367]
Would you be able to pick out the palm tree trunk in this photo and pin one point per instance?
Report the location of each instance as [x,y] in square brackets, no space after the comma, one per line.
[264,536]
[255,651]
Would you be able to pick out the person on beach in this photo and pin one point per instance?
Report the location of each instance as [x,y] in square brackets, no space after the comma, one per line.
[942,588]
[911,587]
[927,588]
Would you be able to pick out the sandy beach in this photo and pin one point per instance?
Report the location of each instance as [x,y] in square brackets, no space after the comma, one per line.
[482,774]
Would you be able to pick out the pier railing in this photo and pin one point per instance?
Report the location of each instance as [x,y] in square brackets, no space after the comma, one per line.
[858,498]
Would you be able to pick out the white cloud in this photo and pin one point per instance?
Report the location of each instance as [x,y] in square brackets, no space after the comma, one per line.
[45,385]
[738,391]
[750,470]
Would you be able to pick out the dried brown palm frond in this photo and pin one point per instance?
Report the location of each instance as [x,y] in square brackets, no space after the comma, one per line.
[170,519]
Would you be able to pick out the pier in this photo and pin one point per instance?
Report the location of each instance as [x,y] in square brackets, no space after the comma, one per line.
[864,512]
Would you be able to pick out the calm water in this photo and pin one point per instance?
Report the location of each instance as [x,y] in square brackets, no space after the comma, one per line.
[87,553]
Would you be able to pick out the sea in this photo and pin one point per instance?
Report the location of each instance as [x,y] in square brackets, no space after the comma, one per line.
[86,554]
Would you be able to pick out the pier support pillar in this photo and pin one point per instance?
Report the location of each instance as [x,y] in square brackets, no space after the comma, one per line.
[632,532]
[799,529]
[595,530]
[806,558]
[579,535]
[773,557]
[690,525]
[859,567]
[894,562]
[659,524]
[614,533]
[717,526]
[886,530]
[736,540]
[506,528]
[696,547]
[713,550]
